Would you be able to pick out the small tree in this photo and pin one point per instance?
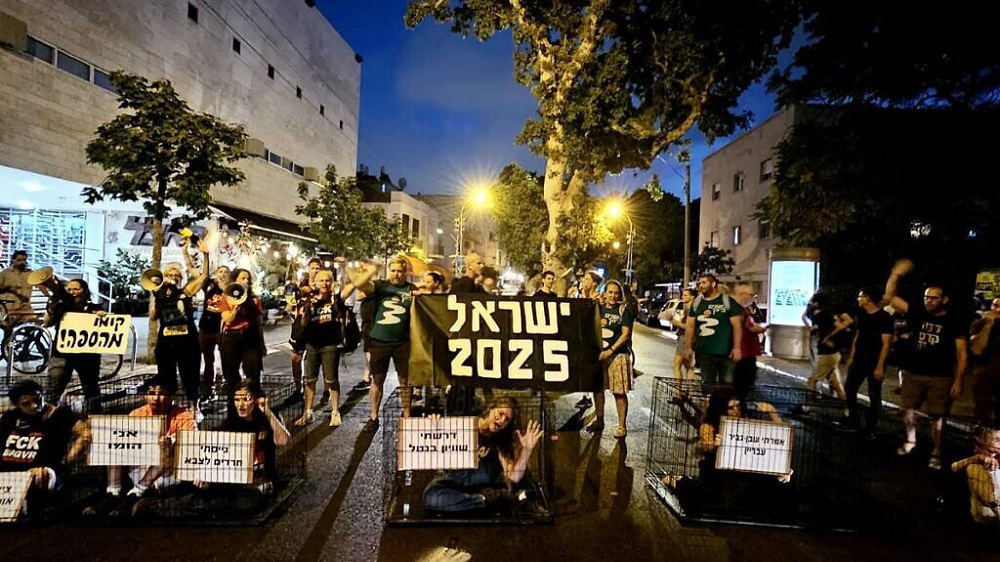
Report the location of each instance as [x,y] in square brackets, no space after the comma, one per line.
[122,274]
[712,260]
[161,152]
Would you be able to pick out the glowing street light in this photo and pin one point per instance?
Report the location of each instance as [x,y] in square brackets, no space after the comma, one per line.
[616,209]
[480,199]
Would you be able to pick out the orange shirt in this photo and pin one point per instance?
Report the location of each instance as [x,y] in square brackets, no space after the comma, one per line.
[178,418]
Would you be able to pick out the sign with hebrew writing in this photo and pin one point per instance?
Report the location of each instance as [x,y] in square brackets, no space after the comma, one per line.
[215,456]
[437,443]
[755,446]
[126,440]
[13,489]
[494,341]
[80,332]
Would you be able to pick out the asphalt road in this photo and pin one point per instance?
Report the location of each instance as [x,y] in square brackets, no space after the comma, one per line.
[603,508]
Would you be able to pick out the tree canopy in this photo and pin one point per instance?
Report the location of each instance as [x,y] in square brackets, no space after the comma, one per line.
[618,82]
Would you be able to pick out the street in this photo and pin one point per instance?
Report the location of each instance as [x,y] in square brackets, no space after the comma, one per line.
[602,505]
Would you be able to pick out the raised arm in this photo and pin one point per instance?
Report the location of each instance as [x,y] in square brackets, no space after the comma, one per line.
[514,471]
[361,280]
[901,268]
[197,278]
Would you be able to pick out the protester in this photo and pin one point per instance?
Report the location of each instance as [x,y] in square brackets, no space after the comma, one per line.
[982,471]
[545,290]
[715,333]
[617,319]
[488,280]
[588,288]
[14,287]
[298,296]
[210,324]
[504,452]
[74,297]
[177,350]
[683,367]
[985,346]
[242,334]
[934,365]
[467,283]
[873,337]
[831,330]
[745,370]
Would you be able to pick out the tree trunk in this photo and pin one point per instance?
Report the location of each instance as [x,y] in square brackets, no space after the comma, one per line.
[154,325]
[560,196]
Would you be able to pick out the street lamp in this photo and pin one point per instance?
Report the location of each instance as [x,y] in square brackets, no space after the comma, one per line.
[616,210]
[480,198]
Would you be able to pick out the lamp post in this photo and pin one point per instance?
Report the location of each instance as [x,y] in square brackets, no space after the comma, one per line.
[616,210]
[480,198]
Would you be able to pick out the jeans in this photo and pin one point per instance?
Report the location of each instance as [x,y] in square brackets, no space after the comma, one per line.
[856,375]
[87,367]
[456,490]
[745,375]
[329,357]
[179,354]
[240,348]
[714,368]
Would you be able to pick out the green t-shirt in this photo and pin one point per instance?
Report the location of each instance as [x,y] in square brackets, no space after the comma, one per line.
[713,330]
[392,311]
[612,320]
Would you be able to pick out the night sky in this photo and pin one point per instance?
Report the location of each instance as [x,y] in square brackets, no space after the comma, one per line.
[443,111]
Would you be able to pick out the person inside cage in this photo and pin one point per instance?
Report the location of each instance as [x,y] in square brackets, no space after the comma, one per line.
[159,402]
[502,479]
[982,471]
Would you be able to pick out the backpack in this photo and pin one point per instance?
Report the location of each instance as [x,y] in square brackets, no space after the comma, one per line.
[349,329]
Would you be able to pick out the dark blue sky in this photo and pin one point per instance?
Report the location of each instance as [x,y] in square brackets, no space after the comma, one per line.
[443,111]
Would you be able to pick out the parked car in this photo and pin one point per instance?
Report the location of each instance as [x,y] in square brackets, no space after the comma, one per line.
[670,309]
[648,309]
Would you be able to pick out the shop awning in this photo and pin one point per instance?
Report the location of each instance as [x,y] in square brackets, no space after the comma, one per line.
[270,227]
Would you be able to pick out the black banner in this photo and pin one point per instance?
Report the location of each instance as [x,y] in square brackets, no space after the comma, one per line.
[505,342]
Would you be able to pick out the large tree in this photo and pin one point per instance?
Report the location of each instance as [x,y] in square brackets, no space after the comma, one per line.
[659,236]
[159,151]
[520,216]
[618,82]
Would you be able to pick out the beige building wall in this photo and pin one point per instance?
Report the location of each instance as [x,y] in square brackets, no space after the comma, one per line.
[423,221]
[49,114]
[745,160]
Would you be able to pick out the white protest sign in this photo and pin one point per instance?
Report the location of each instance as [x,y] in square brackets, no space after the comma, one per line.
[215,456]
[81,332]
[13,488]
[437,444]
[755,446]
[126,440]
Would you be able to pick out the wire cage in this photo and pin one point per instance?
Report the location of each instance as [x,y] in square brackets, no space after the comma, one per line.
[786,468]
[428,478]
[236,496]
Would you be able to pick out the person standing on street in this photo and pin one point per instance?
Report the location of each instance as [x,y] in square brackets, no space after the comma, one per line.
[872,340]
[714,333]
[745,370]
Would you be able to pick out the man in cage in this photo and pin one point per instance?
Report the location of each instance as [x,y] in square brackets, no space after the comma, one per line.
[39,438]
[502,476]
[159,402]
[982,470]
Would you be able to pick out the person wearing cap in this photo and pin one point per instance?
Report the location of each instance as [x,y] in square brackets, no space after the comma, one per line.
[74,297]
[39,438]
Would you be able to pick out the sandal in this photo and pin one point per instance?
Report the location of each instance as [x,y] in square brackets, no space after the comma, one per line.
[306,419]
[934,463]
[906,448]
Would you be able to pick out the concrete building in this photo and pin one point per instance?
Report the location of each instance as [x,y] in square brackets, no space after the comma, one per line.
[277,67]
[734,179]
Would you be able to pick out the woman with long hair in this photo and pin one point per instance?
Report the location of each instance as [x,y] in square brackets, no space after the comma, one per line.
[177,349]
[683,367]
[242,335]
[616,332]
[74,297]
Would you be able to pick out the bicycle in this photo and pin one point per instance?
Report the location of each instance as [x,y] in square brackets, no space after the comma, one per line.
[27,345]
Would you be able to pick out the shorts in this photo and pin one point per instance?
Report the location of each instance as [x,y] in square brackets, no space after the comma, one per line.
[934,393]
[383,351]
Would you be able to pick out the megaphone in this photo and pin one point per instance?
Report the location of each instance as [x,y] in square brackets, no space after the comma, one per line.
[151,279]
[40,275]
[236,293]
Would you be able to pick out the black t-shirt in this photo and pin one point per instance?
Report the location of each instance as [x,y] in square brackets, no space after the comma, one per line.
[211,315]
[823,320]
[173,321]
[34,441]
[265,451]
[870,329]
[465,285]
[931,351]
[60,302]
[544,295]
[322,328]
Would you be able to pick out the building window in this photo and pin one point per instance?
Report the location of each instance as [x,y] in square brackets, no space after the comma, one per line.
[713,239]
[322,110]
[737,235]
[270,71]
[236,45]
[73,65]
[273,158]
[716,191]
[738,181]
[416,228]
[192,12]
[298,92]
[763,229]
[406,222]
[288,165]
[766,169]
[341,124]
[41,51]
[103,80]
[298,170]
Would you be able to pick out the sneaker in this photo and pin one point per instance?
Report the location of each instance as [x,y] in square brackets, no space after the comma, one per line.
[585,403]
[906,448]
[620,432]
[362,385]
[306,419]
[534,509]
[596,425]
[934,463]
[371,426]
[335,419]
[496,498]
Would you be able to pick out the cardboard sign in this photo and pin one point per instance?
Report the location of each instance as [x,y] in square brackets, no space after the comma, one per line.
[225,457]
[437,444]
[13,489]
[81,332]
[755,446]
[126,440]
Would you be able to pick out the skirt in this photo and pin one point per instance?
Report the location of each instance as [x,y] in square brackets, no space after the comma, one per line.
[618,374]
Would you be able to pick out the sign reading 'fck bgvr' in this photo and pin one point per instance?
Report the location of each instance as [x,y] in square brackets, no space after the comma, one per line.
[505,342]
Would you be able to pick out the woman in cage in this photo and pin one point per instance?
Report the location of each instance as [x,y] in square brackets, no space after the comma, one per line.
[504,452]
[982,470]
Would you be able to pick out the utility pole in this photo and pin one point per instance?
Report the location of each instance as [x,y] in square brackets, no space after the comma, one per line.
[687,226]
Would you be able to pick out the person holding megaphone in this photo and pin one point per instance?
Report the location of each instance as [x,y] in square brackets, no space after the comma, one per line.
[242,335]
